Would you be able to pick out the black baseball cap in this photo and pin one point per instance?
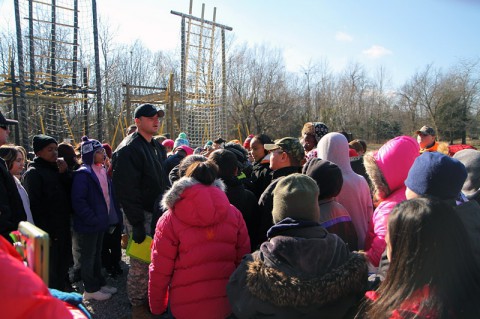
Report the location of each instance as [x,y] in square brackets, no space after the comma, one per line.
[148,110]
[4,121]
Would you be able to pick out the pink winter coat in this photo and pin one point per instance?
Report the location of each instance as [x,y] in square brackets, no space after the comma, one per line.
[198,243]
[390,165]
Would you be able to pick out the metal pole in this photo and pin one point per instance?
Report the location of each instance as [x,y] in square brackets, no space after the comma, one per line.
[21,74]
[129,109]
[97,72]
[218,25]
[183,75]
[171,102]
[210,87]
[14,99]
[53,67]
[85,102]
[31,45]
[224,85]
[75,44]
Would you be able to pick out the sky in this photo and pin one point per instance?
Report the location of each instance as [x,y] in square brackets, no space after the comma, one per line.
[403,36]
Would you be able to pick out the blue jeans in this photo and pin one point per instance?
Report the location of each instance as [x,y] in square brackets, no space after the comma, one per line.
[90,249]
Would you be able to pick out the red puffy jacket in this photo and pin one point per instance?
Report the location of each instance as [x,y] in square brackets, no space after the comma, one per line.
[198,244]
[22,293]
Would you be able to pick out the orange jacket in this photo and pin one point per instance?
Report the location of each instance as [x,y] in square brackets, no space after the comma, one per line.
[433,148]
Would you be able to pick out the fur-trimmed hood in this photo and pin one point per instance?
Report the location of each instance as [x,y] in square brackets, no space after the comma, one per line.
[196,203]
[283,290]
[305,267]
[388,167]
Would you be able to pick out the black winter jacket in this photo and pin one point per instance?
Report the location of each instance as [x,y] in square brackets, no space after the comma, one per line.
[243,200]
[11,206]
[138,176]
[49,194]
[260,178]
[265,203]
[301,272]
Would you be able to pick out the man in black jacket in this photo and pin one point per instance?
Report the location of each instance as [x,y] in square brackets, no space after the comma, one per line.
[11,207]
[286,158]
[139,179]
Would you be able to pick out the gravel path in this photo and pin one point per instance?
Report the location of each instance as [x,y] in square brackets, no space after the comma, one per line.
[116,307]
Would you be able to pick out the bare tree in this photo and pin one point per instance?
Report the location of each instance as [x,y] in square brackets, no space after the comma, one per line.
[260,100]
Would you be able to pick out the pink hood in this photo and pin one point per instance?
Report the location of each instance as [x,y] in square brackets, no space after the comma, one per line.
[395,158]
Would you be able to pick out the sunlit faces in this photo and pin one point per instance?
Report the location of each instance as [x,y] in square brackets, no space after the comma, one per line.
[257,150]
[425,140]
[309,142]
[148,125]
[18,164]
[49,153]
[4,131]
[277,159]
[99,156]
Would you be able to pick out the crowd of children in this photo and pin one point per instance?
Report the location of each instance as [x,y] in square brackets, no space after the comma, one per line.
[308,227]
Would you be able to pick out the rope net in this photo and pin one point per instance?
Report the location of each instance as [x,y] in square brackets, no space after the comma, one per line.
[59,68]
[203,115]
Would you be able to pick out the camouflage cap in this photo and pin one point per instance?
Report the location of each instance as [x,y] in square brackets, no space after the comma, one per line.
[426,130]
[290,145]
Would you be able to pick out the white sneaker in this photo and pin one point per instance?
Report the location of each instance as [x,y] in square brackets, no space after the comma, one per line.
[97,295]
[109,290]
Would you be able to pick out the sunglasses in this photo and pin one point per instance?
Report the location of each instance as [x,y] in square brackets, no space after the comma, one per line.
[4,127]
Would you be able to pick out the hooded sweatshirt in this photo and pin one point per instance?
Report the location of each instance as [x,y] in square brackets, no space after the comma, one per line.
[471,159]
[355,194]
[388,168]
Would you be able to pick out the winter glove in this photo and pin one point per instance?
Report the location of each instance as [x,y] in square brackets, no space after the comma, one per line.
[138,235]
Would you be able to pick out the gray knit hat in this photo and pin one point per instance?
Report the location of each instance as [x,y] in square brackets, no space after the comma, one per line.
[471,160]
[296,196]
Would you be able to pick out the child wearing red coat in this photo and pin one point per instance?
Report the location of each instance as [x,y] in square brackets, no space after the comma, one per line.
[198,243]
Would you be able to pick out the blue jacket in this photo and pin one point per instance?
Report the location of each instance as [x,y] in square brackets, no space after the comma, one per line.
[89,206]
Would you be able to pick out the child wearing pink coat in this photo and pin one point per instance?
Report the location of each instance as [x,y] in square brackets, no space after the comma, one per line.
[387,168]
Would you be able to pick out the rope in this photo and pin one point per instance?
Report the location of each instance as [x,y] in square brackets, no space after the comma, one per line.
[59,48]
[202,116]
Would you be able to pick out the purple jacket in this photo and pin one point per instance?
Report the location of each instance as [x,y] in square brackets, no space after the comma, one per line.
[89,206]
